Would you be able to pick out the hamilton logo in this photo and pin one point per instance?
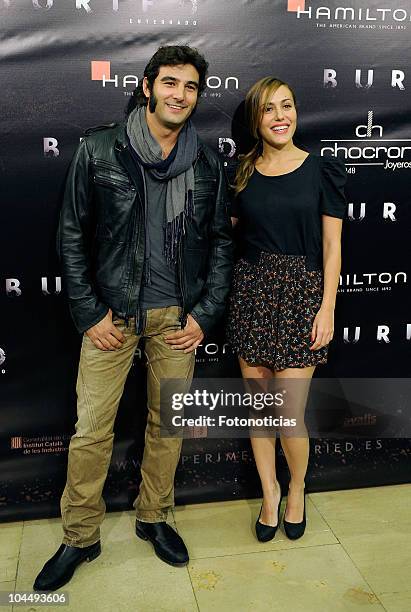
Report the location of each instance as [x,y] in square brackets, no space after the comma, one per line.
[293,6]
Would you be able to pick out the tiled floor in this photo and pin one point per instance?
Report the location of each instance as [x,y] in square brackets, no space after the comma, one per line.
[355,555]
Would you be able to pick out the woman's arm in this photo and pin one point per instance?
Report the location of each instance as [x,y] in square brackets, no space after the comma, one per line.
[323,327]
[331,258]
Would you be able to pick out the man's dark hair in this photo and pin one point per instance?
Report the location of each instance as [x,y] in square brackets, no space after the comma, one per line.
[169,56]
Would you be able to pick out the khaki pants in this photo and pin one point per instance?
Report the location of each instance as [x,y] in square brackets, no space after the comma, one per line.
[100,384]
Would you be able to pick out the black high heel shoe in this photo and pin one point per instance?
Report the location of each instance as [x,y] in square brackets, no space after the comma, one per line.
[265,533]
[293,531]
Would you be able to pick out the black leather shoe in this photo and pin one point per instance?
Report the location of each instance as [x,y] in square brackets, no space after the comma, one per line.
[265,533]
[168,545]
[293,531]
[60,568]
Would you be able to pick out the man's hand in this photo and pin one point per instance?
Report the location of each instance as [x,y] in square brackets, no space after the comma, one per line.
[104,335]
[186,339]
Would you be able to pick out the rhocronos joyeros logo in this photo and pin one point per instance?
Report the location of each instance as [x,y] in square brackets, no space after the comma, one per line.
[370,148]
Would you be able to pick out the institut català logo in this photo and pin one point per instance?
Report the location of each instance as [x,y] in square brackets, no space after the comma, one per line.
[40,445]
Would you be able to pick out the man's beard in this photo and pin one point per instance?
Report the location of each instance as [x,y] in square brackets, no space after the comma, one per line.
[152,103]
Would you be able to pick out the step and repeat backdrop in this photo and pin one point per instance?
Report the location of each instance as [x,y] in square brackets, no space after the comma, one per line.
[71,64]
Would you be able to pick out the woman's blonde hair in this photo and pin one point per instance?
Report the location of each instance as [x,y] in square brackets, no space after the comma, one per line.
[256,98]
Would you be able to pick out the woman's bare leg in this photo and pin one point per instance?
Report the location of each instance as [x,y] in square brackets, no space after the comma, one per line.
[296,449]
[264,455]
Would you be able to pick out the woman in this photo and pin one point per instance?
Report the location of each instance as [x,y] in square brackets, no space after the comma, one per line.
[290,205]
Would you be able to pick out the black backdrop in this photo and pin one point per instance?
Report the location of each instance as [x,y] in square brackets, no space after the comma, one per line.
[68,65]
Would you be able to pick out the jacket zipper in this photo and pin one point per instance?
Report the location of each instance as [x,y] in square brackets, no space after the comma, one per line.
[123,186]
[134,265]
[138,318]
[133,233]
[104,164]
[183,316]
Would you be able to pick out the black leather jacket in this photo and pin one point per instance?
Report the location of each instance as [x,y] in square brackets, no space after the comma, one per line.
[101,239]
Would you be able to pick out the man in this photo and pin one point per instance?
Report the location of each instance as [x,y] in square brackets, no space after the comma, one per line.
[145,244]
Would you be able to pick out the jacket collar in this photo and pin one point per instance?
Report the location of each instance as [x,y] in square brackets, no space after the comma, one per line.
[123,154]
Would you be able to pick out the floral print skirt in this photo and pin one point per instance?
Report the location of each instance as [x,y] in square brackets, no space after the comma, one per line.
[271,311]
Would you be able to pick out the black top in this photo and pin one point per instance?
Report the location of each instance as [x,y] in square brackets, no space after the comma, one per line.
[282,214]
[159,288]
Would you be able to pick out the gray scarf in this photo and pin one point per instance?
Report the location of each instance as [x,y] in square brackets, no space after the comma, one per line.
[177,170]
